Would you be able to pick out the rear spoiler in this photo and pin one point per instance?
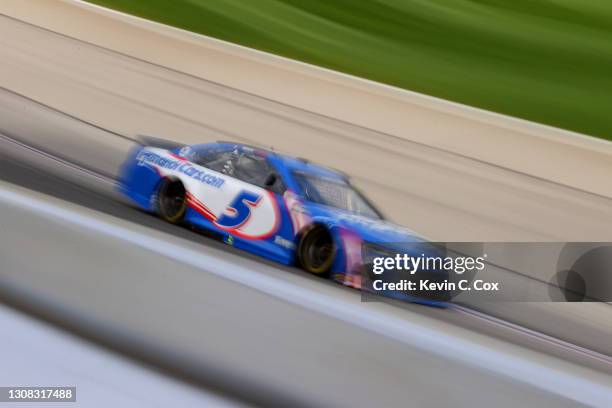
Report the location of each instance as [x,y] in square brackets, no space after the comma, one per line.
[157,142]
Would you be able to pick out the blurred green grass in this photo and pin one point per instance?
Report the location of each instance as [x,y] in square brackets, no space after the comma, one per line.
[548,61]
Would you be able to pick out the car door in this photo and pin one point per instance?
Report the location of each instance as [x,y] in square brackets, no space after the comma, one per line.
[240,206]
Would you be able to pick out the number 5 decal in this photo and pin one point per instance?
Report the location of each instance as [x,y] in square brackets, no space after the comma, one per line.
[239,209]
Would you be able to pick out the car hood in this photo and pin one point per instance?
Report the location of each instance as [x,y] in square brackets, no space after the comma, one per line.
[377,231]
[369,229]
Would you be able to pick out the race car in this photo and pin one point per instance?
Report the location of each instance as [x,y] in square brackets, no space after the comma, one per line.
[282,208]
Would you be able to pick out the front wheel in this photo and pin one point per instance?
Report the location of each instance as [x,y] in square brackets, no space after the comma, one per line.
[316,251]
[171,200]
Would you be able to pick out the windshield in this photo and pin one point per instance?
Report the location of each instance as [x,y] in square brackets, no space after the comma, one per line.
[335,193]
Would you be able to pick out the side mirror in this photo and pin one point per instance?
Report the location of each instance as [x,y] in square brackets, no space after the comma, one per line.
[270,180]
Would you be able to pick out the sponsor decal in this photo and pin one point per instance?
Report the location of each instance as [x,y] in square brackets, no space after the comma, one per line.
[186,152]
[148,158]
[299,215]
[238,214]
[239,210]
[278,240]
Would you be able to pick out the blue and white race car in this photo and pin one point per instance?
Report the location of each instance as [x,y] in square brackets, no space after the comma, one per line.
[282,208]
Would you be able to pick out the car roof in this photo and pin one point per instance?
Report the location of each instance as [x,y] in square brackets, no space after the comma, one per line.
[289,162]
[305,166]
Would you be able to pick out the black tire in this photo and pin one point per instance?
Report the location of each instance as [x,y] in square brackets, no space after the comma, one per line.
[316,251]
[171,200]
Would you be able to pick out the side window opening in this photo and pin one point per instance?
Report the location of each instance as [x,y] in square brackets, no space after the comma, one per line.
[250,168]
[256,170]
[217,160]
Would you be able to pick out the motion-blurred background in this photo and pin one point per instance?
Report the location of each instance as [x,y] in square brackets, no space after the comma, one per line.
[135,312]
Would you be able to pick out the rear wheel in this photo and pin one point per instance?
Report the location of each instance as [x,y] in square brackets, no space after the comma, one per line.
[171,200]
[316,251]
